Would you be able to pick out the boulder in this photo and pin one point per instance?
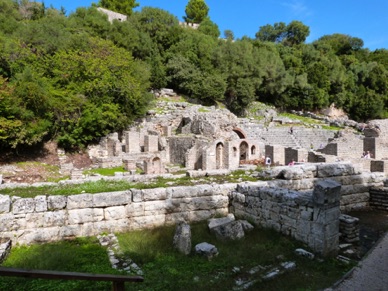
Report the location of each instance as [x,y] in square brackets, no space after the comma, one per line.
[206,249]
[229,231]
[182,238]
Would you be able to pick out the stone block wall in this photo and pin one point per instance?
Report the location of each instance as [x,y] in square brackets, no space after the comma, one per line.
[303,201]
[52,218]
[309,217]
[355,183]
[379,198]
[179,146]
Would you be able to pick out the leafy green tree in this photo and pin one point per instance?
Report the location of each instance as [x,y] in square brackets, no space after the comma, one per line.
[228,34]
[292,34]
[341,44]
[196,11]
[208,27]
[160,26]
[120,6]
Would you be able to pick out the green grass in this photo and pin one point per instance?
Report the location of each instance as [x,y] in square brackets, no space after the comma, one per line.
[102,185]
[166,269]
[83,255]
[308,120]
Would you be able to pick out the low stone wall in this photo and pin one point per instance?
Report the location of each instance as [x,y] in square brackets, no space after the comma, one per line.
[311,217]
[379,198]
[355,183]
[287,204]
[52,218]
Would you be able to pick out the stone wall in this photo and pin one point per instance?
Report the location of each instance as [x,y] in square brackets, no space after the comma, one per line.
[355,183]
[311,217]
[286,202]
[52,218]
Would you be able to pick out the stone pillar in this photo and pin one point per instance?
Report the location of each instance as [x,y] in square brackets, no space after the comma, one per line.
[167,131]
[132,142]
[151,143]
[129,165]
[325,225]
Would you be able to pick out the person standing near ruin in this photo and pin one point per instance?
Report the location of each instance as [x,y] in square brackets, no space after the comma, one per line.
[268,162]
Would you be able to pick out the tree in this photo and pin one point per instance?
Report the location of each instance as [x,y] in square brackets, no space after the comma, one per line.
[196,11]
[208,27]
[293,33]
[120,6]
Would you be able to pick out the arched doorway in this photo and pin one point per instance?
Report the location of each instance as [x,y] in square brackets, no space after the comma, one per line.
[156,165]
[219,156]
[244,151]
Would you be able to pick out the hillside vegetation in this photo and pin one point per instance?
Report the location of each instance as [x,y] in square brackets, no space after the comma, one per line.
[75,78]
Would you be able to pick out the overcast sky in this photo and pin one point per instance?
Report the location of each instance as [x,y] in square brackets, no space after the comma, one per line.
[367,20]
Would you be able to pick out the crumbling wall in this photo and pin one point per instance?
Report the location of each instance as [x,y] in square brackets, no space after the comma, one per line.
[311,217]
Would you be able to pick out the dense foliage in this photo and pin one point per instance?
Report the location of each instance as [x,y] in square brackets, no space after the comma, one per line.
[78,77]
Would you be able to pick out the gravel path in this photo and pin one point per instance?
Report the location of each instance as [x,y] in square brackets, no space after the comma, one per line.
[371,274]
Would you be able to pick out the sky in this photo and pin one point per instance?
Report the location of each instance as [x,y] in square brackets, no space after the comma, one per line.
[367,20]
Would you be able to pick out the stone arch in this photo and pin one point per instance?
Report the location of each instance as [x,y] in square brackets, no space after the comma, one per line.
[244,148]
[220,155]
[241,134]
[156,165]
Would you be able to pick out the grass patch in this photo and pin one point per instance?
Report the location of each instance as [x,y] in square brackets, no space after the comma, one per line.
[71,189]
[102,185]
[83,255]
[166,269]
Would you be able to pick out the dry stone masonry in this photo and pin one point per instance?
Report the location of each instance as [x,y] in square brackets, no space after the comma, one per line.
[301,201]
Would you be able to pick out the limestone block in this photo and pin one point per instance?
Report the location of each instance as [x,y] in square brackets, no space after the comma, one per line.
[174,218]
[201,215]
[205,203]
[205,190]
[182,192]
[70,231]
[134,209]
[326,191]
[147,221]
[56,202]
[115,213]
[232,230]
[337,169]
[119,225]
[23,205]
[351,199]
[55,218]
[78,216]
[207,250]
[40,235]
[214,222]
[137,195]
[6,222]
[5,203]
[34,220]
[79,201]
[40,203]
[154,194]
[155,208]
[111,198]
[291,173]
[224,189]
[182,238]
[238,198]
